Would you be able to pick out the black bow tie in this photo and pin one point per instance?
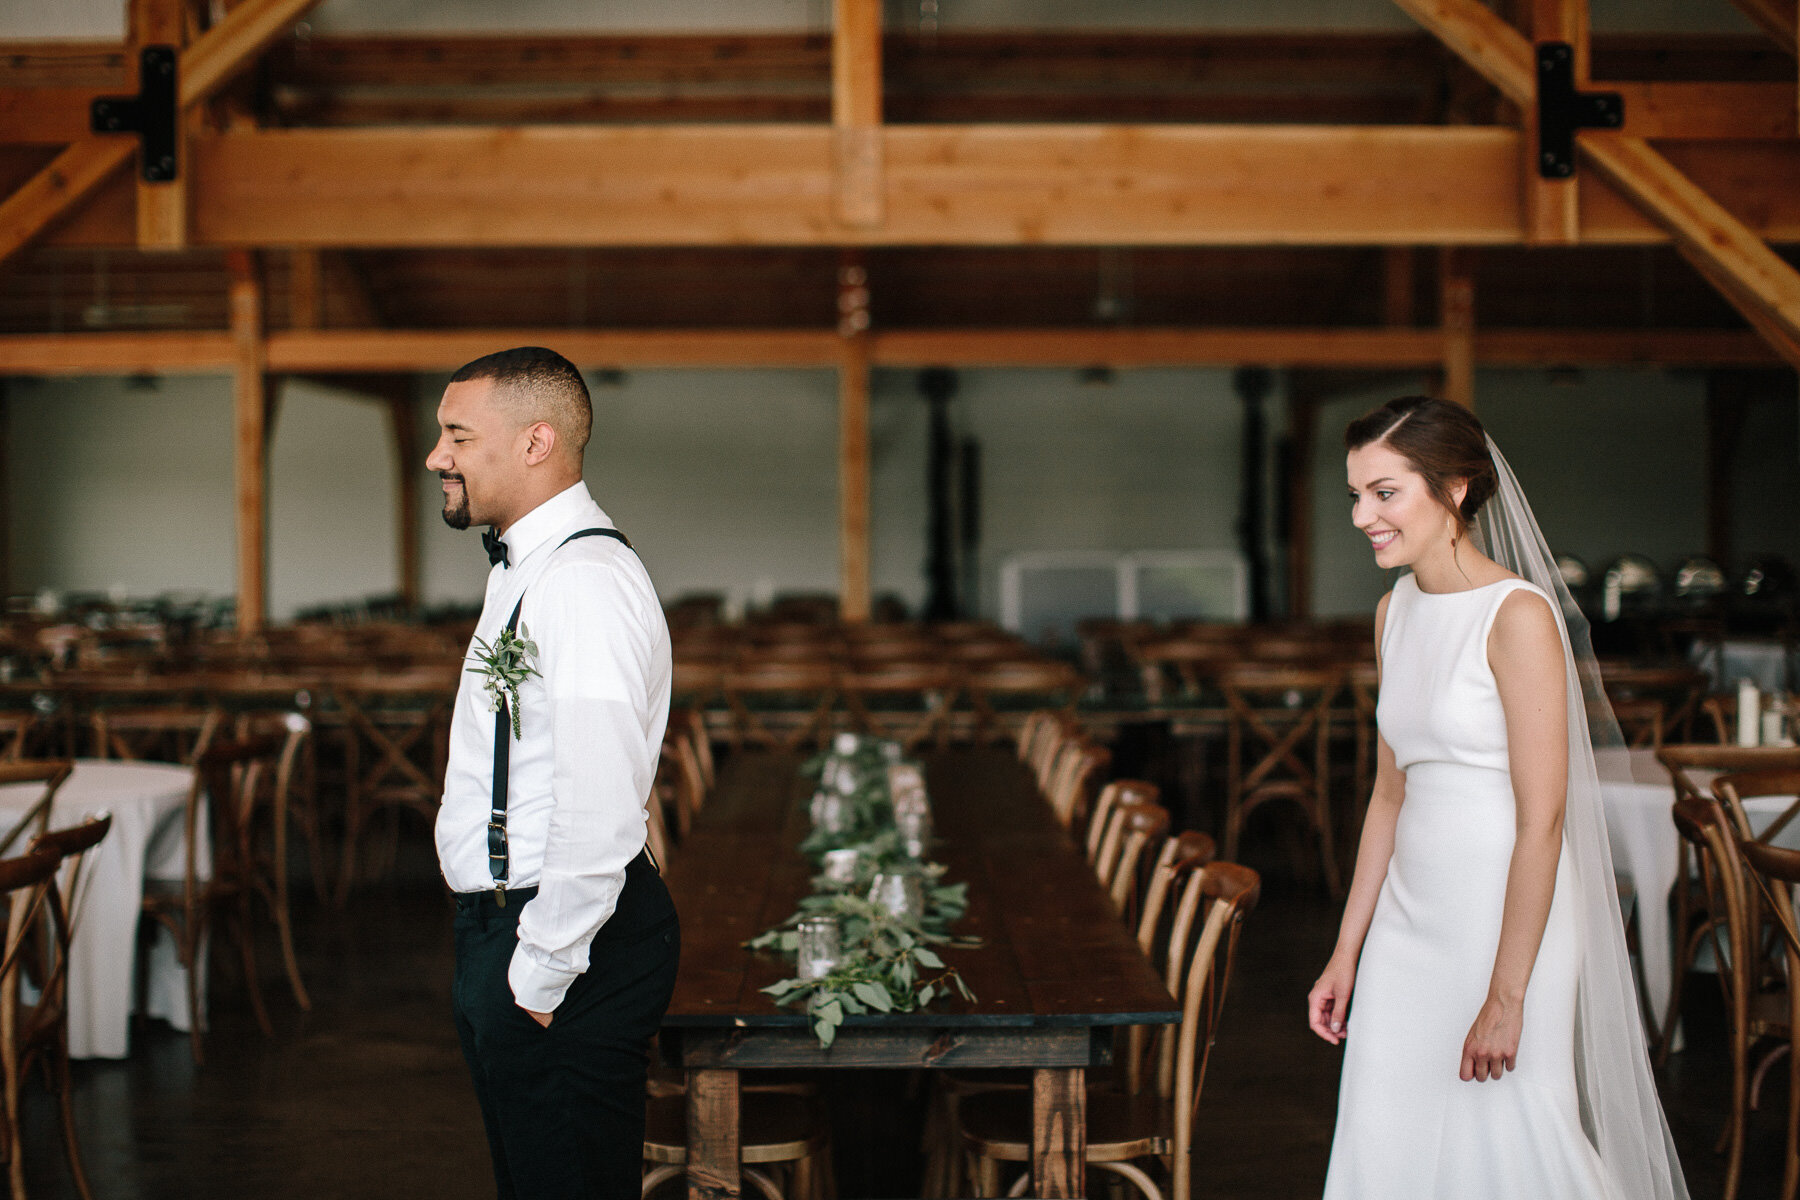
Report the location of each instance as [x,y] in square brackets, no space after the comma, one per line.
[495,547]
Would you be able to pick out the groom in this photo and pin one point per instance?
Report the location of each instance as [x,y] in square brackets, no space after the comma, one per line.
[566,941]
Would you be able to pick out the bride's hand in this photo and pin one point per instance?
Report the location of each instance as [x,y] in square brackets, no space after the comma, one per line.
[1492,1046]
[1328,1004]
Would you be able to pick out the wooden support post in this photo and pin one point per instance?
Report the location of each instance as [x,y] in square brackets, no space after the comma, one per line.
[856,111]
[853,443]
[305,296]
[1552,206]
[403,423]
[712,1107]
[162,207]
[1059,1131]
[1398,305]
[250,441]
[1456,317]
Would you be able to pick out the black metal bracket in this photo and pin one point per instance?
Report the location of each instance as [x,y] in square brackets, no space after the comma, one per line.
[153,114]
[1561,110]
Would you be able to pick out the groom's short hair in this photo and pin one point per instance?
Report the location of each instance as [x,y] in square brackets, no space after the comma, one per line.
[538,385]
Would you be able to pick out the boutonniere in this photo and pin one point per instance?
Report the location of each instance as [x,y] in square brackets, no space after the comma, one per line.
[503,666]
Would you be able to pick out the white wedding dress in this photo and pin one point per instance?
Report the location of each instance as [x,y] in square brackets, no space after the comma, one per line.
[1408,1127]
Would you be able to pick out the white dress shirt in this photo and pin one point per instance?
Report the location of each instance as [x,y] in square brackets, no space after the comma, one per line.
[591,728]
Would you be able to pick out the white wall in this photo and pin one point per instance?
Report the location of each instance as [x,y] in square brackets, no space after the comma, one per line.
[122,486]
[724,480]
[727,480]
[1611,461]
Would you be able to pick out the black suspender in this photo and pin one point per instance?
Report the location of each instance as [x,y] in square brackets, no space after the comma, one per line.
[498,862]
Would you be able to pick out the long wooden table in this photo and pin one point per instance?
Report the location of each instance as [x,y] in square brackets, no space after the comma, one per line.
[1056,972]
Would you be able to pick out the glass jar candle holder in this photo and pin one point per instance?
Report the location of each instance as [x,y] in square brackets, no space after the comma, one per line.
[840,866]
[913,824]
[899,894]
[821,947]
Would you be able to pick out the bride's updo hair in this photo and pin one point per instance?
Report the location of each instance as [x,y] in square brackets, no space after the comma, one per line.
[1442,441]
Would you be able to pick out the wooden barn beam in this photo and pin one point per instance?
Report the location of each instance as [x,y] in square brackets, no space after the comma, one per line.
[853,439]
[944,185]
[1777,18]
[1456,323]
[162,206]
[1552,207]
[1752,276]
[250,440]
[328,352]
[85,163]
[856,111]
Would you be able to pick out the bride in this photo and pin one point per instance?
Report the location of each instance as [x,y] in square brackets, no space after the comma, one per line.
[1494,1047]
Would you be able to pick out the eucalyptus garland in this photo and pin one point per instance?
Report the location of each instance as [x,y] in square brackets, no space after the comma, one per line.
[886,963]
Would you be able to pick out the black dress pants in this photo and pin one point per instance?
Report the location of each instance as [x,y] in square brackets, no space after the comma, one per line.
[564,1105]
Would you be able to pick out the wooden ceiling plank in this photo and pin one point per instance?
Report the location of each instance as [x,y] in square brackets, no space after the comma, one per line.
[1754,278]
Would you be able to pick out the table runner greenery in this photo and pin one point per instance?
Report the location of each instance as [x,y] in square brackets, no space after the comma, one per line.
[886,963]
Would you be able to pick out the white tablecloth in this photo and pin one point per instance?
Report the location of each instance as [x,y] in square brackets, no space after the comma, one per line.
[1646,848]
[147,802]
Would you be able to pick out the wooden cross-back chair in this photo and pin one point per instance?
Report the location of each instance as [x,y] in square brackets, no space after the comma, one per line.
[1774,871]
[1119,791]
[996,1127]
[1278,747]
[36,926]
[51,773]
[908,702]
[775,1129]
[34,1019]
[693,720]
[242,786]
[1078,765]
[173,733]
[945,1170]
[1692,767]
[1704,826]
[15,733]
[781,704]
[303,807]
[402,721]
[1041,739]
[1133,830]
[679,772]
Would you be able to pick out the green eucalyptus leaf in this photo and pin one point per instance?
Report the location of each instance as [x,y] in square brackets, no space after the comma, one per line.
[925,995]
[875,996]
[927,958]
[825,1031]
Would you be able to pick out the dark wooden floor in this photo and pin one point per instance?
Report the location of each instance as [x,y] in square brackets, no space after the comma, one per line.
[366,1095]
